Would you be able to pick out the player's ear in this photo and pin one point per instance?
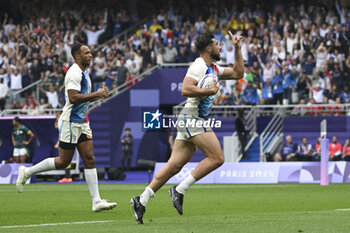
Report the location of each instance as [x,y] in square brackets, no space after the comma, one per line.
[209,48]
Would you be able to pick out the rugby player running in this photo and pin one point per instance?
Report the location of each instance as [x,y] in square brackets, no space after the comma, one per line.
[199,101]
[74,128]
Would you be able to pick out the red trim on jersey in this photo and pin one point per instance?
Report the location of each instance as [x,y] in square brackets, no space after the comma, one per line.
[86,119]
[216,70]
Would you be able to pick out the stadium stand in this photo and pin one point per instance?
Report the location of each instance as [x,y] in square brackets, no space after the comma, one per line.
[283,42]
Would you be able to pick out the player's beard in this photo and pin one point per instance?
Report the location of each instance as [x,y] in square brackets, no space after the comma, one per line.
[86,63]
[215,56]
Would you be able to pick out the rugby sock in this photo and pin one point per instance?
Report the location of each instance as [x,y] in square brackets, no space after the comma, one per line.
[185,184]
[91,180]
[146,195]
[45,165]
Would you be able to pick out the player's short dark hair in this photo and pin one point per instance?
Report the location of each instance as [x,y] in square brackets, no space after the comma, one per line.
[203,40]
[127,129]
[17,119]
[76,49]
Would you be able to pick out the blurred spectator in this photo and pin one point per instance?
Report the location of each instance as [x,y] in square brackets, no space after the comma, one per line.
[317,92]
[277,83]
[334,94]
[111,76]
[122,73]
[242,132]
[212,23]
[226,89]
[318,149]
[155,26]
[338,109]
[250,95]
[302,88]
[338,76]
[100,71]
[300,110]
[132,65]
[288,83]
[193,54]
[346,150]
[182,57]
[42,107]
[52,96]
[267,91]
[345,94]
[3,93]
[309,65]
[30,106]
[126,141]
[15,82]
[92,33]
[99,58]
[147,56]
[305,152]
[289,151]
[36,71]
[170,53]
[268,69]
[335,150]
[160,57]
[118,25]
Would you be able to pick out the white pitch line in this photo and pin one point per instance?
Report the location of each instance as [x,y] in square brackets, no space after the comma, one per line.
[342,210]
[54,224]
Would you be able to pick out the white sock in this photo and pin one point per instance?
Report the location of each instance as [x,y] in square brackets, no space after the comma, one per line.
[91,180]
[146,195]
[185,184]
[45,165]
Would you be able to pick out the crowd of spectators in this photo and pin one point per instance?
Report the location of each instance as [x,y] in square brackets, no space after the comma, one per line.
[35,44]
[305,151]
[295,52]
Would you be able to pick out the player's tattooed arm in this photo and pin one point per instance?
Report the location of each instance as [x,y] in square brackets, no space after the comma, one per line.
[75,97]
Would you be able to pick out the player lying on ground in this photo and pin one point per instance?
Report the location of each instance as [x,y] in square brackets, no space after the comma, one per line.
[74,128]
[189,138]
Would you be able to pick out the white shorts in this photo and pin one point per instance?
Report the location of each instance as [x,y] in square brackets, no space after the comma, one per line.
[69,132]
[19,152]
[191,126]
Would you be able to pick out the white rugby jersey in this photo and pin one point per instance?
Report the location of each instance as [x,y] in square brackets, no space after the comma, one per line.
[76,79]
[199,106]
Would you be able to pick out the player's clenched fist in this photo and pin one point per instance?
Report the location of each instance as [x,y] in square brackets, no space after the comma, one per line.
[103,92]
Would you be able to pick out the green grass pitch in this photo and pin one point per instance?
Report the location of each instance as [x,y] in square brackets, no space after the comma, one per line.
[207,208]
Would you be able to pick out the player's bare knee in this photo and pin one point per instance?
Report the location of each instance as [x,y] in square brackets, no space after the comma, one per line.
[219,160]
[174,168]
[61,163]
[90,161]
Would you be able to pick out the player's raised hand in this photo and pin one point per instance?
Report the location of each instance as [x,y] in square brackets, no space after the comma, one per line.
[236,40]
